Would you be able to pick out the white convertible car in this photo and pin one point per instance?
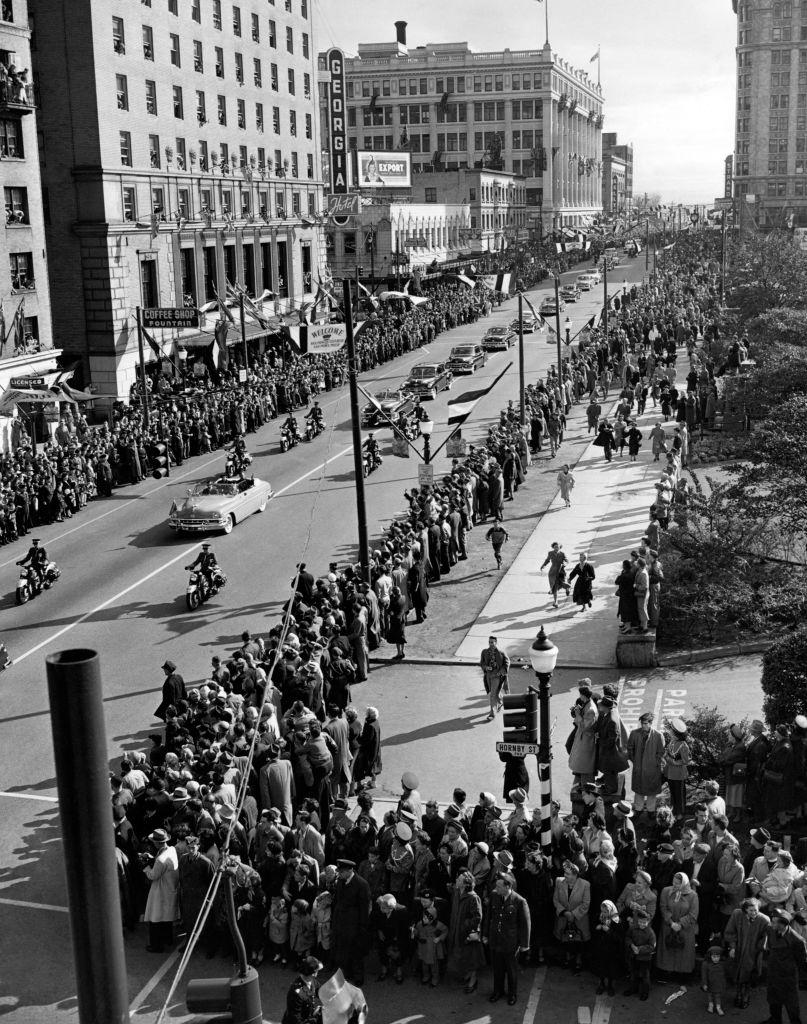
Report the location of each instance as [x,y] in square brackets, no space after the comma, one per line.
[219,503]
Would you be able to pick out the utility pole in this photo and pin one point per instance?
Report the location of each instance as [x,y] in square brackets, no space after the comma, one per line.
[723,258]
[605,295]
[358,461]
[557,323]
[647,245]
[522,401]
[142,369]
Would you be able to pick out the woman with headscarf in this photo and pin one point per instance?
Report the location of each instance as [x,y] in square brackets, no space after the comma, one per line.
[602,877]
[584,571]
[465,951]
[607,951]
[679,927]
[638,895]
[745,936]
[572,898]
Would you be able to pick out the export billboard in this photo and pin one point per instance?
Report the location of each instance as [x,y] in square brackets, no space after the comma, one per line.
[384,170]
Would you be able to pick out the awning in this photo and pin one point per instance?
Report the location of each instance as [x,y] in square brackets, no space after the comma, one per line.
[233,336]
[13,396]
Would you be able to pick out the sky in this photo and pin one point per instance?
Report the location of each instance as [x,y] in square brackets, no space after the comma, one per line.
[667,67]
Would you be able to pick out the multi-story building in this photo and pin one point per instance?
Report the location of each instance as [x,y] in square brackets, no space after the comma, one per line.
[181,154]
[528,112]
[497,202]
[26,342]
[770,150]
[614,185]
[620,155]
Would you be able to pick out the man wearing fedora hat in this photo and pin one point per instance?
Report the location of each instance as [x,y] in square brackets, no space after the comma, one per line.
[162,871]
[302,1005]
[646,753]
[173,689]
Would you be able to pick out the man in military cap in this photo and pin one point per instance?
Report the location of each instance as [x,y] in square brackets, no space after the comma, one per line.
[302,1005]
[207,563]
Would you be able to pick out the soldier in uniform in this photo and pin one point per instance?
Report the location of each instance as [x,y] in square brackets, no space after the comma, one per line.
[302,1005]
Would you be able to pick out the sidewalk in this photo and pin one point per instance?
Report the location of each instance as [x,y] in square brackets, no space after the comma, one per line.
[610,503]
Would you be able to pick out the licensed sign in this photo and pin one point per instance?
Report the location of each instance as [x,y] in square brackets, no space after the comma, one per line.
[518,749]
[384,170]
[170,317]
[324,338]
[27,382]
[425,474]
[337,122]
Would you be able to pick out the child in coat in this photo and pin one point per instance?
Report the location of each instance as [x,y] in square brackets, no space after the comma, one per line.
[713,979]
[321,916]
[640,945]
[302,931]
[430,935]
[278,927]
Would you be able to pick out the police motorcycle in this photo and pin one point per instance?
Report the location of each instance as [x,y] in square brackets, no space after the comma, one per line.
[371,456]
[314,422]
[289,434]
[238,458]
[200,588]
[32,582]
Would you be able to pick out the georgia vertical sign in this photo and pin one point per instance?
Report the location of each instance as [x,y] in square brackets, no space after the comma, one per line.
[336,118]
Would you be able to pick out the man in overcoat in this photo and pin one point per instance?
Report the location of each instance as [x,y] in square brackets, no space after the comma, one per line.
[507,933]
[495,665]
[173,689]
[646,754]
[350,917]
[786,954]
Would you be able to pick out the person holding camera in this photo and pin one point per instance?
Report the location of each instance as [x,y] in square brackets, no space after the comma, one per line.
[162,870]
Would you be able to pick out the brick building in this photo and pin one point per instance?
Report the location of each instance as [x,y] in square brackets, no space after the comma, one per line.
[27,343]
[528,112]
[180,153]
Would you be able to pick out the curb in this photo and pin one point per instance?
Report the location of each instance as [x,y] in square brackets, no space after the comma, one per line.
[701,654]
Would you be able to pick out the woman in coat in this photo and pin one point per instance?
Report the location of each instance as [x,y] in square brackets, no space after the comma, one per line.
[572,898]
[396,630]
[634,436]
[607,952]
[556,560]
[679,927]
[368,756]
[605,439]
[536,884]
[584,576]
[778,775]
[358,642]
[730,885]
[626,609]
[602,878]
[465,951]
[583,755]
[162,904]
[676,758]
[733,759]
[745,936]
[566,484]
[637,895]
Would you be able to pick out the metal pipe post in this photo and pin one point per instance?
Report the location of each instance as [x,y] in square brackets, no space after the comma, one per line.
[647,245]
[142,358]
[605,296]
[522,401]
[545,761]
[82,779]
[243,331]
[358,461]
[557,323]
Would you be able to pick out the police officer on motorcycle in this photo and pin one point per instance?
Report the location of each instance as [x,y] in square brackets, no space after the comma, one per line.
[38,557]
[207,563]
[291,426]
[371,447]
[315,416]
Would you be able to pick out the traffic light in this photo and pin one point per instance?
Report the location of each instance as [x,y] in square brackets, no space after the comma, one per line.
[159,459]
[234,1000]
[521,717]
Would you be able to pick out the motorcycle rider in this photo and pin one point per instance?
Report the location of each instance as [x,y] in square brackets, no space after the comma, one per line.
[371,447]
[291,425]
[315,416]
[38,557]
[237,457]
[207,563]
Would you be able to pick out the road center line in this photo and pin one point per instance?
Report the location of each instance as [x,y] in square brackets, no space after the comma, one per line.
[30,796]
[535,996]
[33,906]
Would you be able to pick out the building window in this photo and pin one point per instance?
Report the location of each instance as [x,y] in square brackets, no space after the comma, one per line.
[237,21]
[175,59]
[431,195]
[201,108]
[179,107]
[272,34]
[304,8]
[207,205]
[204,162]
[276,120]
[151,97]
[312,204]
[242,113]
[154,150]
[210,272]
[198,59]
[122,88]
[257,77]
[196,10]
[275,81]
[158,203]
[187,270]
[125,147]
[295,165]
[239,68]
[149,293]
[183,201]
[309,160]
[148,42]
[173,7]
[217,14]
[305,46]
[219,62]
[307,85]
[118,37]
[222,110]
[16,205]
[293,122]
[309,127]
[181,155]
[291,81]
[21,265]
[290,39]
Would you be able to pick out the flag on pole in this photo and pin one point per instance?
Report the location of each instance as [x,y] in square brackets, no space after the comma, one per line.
[373,300]
[596,56]
[461,407]
[536,315]
[222,307]
[152,344]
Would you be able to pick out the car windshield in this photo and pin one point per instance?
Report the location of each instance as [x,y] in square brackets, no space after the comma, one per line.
[462,350]
[498,330]
[424,372]
[386,396]
[223,487]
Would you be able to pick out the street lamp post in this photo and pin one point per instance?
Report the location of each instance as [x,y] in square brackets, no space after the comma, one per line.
[359,272]
[426,427]
[568,326]
[543,657]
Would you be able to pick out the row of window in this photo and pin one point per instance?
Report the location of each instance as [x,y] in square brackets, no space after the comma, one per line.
[453,142]
[16,200]
[174,51]
[420,86]
[215,203]
[206,160]
[196,9]
[449,113]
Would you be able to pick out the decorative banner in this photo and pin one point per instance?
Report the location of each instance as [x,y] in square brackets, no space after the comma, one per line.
[325,338]
[384,170]
[337,128]
[456,447]
[400,446]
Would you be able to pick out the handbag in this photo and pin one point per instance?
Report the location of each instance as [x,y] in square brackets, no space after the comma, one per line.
[739,771]
[674,940]
[774,778]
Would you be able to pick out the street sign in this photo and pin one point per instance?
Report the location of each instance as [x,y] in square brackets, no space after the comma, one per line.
[170,317]
[27,382]
[425,474]
[518,749]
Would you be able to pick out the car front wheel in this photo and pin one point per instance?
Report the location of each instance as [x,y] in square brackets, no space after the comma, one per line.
[229,524]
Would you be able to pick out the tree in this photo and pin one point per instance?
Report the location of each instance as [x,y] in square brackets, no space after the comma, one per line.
[784,679]
[780,326]
[767,271]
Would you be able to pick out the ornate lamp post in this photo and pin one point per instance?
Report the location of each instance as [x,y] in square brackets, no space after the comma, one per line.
[543,657]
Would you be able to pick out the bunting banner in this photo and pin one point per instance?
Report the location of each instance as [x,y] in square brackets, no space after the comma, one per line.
[461,407]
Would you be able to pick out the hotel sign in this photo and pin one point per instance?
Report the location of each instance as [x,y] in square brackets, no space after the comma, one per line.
[337,122]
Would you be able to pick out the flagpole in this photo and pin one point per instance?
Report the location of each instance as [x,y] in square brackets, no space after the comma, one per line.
[598,63]
[142,368]
[546,15]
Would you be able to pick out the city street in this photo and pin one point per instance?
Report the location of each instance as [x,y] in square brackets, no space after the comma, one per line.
[122,593]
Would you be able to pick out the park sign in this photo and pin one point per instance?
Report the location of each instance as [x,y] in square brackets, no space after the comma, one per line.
[518,749]
[170,317]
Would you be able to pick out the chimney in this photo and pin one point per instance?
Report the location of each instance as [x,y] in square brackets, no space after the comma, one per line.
[400,32]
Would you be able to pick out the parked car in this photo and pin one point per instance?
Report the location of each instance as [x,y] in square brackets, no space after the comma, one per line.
[466,358]
[549,308]
[530,324]
[498,339]
[392,402]
[219,503]
[570,293]
[428,379]
[584,282]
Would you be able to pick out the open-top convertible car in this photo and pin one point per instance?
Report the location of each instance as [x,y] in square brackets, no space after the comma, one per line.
[219,503]
[392,402]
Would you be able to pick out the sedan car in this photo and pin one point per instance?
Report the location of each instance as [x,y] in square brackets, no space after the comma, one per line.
[584,282]
[498,339]
[390,402]
[548,307]
[466,358]
[570,293]
[428,379]
[218,504]
[529,324]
